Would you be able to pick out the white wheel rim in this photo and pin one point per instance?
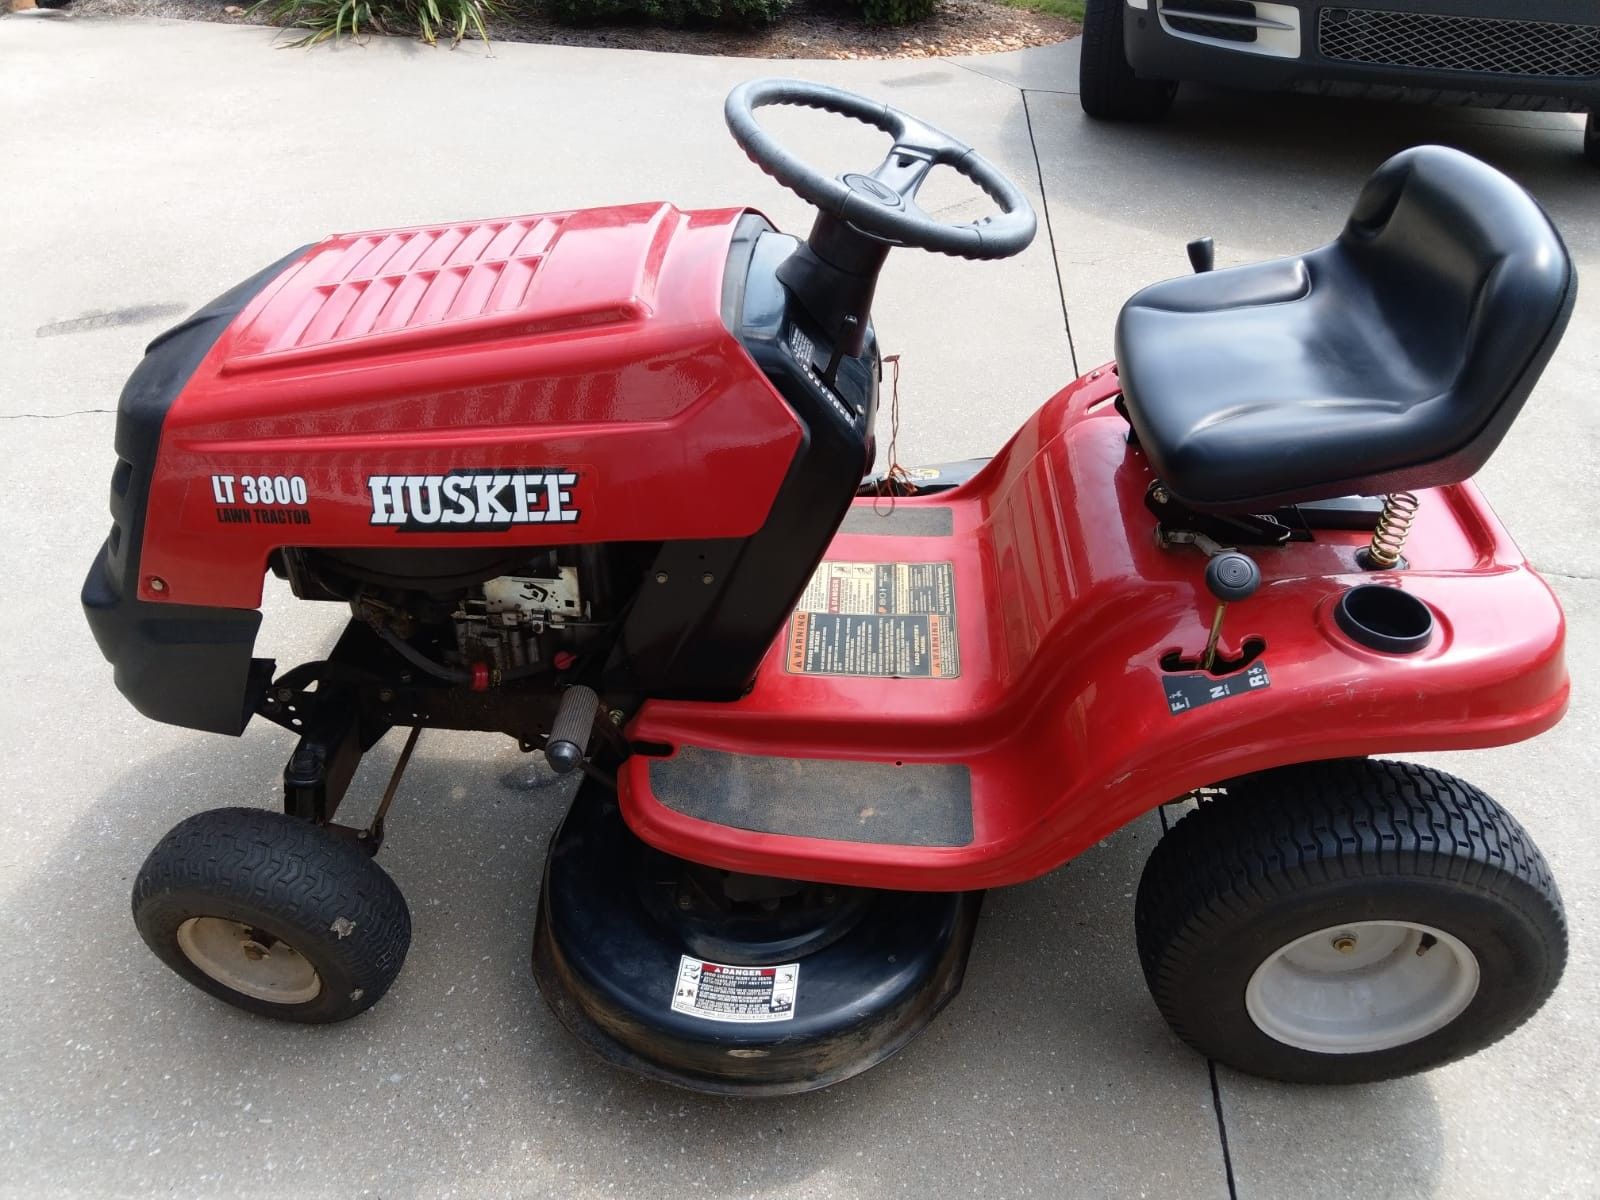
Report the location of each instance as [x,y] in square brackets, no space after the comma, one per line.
[248,961]
[1353,989]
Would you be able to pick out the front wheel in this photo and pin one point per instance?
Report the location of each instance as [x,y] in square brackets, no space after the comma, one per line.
[272,914]
[1108,89]
[1348,921]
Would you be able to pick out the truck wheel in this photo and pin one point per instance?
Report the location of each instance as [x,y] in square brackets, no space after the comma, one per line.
[1591,139]
[1107,87]
[272,914]
[1348,921]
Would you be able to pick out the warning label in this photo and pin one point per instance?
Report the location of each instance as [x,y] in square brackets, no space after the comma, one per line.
[894,620]
[717,992]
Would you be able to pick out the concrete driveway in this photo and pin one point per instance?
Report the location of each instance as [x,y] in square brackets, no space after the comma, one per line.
[146,166]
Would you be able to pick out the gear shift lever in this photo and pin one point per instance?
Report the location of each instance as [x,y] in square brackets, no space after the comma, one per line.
[1230,576]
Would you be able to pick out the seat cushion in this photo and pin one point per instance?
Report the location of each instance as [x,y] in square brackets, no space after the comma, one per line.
[1393,358]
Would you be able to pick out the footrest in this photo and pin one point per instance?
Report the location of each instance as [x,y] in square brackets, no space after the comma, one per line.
[846,800]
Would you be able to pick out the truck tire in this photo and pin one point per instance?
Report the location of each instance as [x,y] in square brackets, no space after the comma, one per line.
[1348,921]
[1107,87]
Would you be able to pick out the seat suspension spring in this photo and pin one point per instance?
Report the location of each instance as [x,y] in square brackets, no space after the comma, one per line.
[1394,524]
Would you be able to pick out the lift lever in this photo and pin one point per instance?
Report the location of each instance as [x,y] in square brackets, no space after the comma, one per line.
[568,744]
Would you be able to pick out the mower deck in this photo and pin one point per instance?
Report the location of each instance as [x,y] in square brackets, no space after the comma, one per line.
[936,764]
[652,966]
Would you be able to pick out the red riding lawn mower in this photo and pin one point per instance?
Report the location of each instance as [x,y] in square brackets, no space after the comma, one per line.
[599,480]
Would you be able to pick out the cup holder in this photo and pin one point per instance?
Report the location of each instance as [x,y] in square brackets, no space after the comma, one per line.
[1384,618]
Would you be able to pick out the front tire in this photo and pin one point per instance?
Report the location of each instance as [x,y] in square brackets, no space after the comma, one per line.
[273,915]
[1108,89]
[1348,921]
[1591,139]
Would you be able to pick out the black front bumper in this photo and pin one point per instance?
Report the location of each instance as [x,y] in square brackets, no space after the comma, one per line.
[177,663]
[1157,49]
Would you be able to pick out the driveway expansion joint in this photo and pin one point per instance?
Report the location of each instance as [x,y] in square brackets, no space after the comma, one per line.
[1222,1129]
[1050,232]
[1007,82]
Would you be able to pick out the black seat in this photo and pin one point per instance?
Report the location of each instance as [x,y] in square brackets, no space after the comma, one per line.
[1394,358]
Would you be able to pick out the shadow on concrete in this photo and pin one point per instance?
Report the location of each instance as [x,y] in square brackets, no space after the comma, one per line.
[1046,1068]
[1378,1140]
[1307,155]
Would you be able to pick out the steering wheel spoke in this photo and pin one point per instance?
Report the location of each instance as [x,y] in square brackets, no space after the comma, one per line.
[903,170]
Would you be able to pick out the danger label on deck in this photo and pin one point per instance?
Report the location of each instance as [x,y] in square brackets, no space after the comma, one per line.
[717,992]
[891,620]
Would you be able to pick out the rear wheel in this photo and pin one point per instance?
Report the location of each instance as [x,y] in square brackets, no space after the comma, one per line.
[272,914]
[1348,921]
[1107,87]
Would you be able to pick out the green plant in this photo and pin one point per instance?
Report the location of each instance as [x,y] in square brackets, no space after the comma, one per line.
[668,12]
[894,12]
[429,19]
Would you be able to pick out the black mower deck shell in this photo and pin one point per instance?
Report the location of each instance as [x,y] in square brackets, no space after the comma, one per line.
[607,966]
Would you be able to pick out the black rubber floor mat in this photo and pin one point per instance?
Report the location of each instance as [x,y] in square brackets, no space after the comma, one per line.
[919,804]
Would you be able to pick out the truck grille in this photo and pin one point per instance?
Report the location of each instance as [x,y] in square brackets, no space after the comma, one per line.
[1431,42]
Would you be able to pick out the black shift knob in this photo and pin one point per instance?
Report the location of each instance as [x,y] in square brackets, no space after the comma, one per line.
[1232,576]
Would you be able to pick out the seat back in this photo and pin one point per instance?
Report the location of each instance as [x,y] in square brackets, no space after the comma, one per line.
[1477,286]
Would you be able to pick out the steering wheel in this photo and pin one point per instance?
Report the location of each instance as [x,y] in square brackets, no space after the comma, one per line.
[882,204]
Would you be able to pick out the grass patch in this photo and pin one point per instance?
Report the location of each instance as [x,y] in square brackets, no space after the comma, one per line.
[1072,10]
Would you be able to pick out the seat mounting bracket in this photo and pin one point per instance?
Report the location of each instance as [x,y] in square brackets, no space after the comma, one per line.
[1177,523]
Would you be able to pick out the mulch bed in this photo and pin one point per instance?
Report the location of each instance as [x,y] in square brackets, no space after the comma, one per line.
[811,29]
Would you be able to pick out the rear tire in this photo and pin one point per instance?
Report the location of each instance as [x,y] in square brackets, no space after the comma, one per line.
[1107,87]
[1348,921]
[273,915]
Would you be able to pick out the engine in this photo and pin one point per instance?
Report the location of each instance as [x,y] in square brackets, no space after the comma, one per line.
[516,622]
[520,613]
